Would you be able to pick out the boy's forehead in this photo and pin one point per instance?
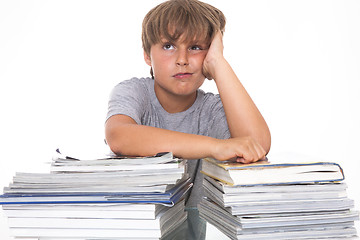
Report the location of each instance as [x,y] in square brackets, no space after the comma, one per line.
[184,39]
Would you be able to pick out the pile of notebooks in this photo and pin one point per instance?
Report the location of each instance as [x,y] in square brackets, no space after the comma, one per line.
[107,198]
[277,201]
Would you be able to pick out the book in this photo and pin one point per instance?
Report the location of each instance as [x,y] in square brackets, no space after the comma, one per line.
[72,181]
[233,226]
[300,201]
[168,197]
[73,221]
[165,218]
[307,187]
[89,233]
[263,172]
[258,193]
[93,221]
[109,197]
[101,211]
[63,163]
[279,198]
[93,183]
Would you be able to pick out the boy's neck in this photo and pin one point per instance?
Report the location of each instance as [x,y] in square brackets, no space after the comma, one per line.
[175,103]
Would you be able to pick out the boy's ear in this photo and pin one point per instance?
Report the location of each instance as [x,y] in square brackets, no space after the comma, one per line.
[147,59]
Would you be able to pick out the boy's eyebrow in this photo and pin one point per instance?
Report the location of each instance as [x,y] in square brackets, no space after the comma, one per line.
[164,40]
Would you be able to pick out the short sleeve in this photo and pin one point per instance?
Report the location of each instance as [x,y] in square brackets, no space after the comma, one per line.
[130,98]
[213,113]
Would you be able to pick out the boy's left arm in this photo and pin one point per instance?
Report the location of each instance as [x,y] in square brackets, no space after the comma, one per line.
[243,117]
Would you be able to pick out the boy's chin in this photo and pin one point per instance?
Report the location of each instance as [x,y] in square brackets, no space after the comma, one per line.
[187,90]
[184,93]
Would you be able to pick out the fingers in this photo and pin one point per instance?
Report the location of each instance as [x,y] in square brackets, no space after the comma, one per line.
[218,38]
[251,150]
[214,53]
[207,74]
[248,150]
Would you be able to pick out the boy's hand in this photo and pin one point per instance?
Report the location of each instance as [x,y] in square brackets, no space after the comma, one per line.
[214,54]
[243,149]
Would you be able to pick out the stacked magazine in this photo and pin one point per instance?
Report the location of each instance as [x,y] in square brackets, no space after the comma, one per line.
[317,209]
[106,198]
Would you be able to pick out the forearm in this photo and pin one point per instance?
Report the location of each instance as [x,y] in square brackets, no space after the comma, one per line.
[244,118]
[125,137]
[139,140]
[242,115]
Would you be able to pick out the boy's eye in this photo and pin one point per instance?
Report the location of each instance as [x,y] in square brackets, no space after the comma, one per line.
[195,48]
[168,46]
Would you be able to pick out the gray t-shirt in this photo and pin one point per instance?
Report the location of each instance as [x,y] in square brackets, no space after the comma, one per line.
[136,98]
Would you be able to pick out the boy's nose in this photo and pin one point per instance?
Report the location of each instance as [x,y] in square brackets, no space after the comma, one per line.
[182,59]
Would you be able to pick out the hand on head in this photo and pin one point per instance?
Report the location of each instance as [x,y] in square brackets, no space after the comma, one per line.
[214,55]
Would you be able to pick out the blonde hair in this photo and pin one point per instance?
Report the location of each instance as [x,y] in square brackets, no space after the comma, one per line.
[190,19]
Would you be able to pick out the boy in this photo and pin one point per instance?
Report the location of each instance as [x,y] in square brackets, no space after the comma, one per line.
[182,42]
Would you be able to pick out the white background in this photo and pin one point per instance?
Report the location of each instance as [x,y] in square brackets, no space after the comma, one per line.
[299,60]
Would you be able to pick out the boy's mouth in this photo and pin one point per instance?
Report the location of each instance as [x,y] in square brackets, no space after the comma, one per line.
[182,75]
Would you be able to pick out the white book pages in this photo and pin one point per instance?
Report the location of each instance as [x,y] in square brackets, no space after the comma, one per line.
[314,187]
[79,223]
[102,185]
[262,205]
[106,188]
[21,179]
[165,218]
[85,233]
[291,206]
[73,213]
[230,227]
[263,172]
[90,175]
[334,233]
[299,219]
[249,197]
[102,231]
[101,168]
[84,207]
[84,158]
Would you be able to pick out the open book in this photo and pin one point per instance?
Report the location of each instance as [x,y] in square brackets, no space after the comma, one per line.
[264,172]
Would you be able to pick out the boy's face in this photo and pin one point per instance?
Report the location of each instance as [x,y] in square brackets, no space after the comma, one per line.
[177,67]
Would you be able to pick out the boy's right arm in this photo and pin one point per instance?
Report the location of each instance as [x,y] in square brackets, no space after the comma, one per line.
[125,137]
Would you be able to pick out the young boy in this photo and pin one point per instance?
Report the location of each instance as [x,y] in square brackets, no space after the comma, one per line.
[182,42]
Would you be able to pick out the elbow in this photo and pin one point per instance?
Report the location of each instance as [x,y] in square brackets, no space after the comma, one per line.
[114,140]
[117,134]
[114,144]
[265,140]
[115,149]
[267,143]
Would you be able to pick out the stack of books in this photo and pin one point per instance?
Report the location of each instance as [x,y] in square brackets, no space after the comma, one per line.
[106,198]
[277,201]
